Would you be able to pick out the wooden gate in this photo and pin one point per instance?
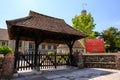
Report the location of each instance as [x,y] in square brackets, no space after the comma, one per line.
[44,61]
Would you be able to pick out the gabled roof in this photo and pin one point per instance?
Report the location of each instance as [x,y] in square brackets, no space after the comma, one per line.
[4,35]
[77,44]
[42,23]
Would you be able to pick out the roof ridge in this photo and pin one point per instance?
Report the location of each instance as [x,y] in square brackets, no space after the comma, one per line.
[33,13]
[19,19]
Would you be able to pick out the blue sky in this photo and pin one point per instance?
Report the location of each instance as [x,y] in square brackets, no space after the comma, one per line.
[106,13]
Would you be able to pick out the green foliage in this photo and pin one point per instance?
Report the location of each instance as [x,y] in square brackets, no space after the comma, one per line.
[118,41]
[51,53]
[112,39]
[58,58]
[5,50]
[85,24]
[97,34]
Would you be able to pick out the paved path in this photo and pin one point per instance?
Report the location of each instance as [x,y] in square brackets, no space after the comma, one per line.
[73,74]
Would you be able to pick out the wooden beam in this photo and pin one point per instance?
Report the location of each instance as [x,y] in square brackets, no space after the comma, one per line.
[70,46]
[16,47]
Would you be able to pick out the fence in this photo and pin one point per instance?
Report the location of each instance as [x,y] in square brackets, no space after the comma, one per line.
[44,61]
[102,60]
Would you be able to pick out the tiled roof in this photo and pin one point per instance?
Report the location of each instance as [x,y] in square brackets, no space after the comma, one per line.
[77,44]
[3,34]
[39,21]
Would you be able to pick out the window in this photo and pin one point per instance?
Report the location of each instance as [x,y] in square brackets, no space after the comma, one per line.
[77,50]
[3,43]
[55,47]
[31,45]
[20,43]
[43,46]
[49,46]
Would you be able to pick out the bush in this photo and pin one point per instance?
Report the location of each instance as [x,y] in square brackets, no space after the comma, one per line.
[5,50]
[51,53]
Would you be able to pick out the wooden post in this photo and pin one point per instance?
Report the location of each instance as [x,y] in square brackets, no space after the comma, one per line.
[70,46]
[37,43]
[16,48]
[70,55]
[55,60]
[36,53]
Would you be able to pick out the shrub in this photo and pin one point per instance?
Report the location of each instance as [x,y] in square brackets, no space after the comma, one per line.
[5,50]
[51,53]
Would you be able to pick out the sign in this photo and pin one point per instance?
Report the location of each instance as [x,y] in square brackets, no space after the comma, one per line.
[95,45]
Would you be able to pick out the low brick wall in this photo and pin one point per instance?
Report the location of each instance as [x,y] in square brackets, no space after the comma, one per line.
[80,61]
[101,60]
[1,60]
[7,66]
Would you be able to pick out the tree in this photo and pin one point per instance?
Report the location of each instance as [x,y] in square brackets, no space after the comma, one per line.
[97,34]
[118,41]
[84,23]
[112,39]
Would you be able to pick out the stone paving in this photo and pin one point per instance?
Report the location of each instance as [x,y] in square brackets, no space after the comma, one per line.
[73,74]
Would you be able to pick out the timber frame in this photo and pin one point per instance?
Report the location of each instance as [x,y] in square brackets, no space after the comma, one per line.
[42,28]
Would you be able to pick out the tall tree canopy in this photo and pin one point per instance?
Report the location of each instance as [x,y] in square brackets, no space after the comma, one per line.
[112,39]
[84,23]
